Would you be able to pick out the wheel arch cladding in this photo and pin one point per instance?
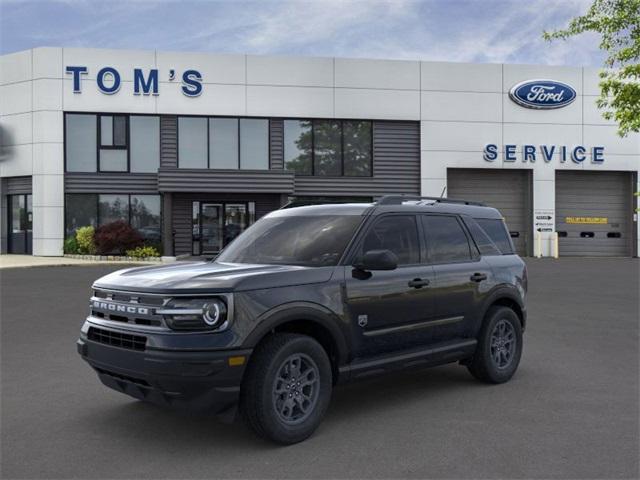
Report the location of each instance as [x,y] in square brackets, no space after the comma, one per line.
[509,302]
[317,324]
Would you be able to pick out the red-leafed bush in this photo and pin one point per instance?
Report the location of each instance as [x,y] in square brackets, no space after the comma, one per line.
[116,238]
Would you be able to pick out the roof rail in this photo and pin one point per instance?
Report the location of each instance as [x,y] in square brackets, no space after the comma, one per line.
[399,199]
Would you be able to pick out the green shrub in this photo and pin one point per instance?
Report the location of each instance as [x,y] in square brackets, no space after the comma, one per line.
[70,245]
[84,237]
[143,252]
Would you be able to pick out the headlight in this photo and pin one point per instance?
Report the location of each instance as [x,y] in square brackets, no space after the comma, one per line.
[195,313]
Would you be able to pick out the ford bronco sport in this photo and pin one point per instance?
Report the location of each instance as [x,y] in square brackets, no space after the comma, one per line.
[309,297]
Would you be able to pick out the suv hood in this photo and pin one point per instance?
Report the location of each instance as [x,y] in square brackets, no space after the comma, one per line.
[208,277]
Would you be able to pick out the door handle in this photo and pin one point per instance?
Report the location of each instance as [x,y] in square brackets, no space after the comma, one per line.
[478,277]
[418,283]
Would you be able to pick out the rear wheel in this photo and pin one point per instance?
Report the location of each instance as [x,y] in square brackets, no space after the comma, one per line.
[499,347]
[287,388]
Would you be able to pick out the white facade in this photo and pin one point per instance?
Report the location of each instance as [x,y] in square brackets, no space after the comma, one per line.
[461,107]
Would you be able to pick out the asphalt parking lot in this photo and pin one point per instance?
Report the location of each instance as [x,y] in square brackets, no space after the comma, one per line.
[572,411]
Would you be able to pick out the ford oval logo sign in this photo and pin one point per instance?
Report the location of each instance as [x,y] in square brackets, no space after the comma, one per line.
[542,94]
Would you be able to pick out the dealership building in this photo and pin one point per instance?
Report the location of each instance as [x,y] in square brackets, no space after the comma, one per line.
[191,148]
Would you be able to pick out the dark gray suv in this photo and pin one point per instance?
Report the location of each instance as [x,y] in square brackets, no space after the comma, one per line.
[309,297]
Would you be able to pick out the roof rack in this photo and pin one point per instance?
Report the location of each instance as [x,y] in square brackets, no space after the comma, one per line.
[399,199]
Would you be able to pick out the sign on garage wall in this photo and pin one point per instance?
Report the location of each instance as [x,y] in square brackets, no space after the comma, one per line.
[587,220]
[544,220]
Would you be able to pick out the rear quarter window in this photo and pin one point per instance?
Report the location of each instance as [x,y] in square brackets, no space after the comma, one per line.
[497,232]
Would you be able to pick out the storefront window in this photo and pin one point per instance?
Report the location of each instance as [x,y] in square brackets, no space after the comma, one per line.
[357,148]
[223,142]
[216,224]
[254,144]
[327,143]
[145,217]
[297,146]
[145,144]
[112,208]
[80,211]
[192,142]
[80,142]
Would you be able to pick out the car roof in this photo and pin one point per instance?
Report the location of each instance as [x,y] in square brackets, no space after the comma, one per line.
[445,206]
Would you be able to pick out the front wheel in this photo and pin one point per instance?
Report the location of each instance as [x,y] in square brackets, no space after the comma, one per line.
[287,388]
[499,347]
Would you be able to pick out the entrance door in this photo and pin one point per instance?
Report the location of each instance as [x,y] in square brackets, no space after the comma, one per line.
[20,222]
[211,227]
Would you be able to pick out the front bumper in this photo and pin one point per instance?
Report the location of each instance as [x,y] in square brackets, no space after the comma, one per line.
[197,380]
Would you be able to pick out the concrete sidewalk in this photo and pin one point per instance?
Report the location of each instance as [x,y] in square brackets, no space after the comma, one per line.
[23,261]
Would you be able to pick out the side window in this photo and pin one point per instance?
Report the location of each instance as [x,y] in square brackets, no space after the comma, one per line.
[446,240]
[484,243]
[497,231]
[398,233]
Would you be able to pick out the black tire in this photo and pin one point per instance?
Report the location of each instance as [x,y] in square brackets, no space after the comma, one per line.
[269,404]
[495,364]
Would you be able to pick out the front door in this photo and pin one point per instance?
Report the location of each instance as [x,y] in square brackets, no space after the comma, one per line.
[211,228]
[389,310]
[20,221]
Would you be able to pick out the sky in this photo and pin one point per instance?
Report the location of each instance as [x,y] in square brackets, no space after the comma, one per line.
[487,31]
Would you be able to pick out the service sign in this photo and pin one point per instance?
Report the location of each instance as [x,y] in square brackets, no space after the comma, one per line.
[587,220]
[542,94]
[544,220]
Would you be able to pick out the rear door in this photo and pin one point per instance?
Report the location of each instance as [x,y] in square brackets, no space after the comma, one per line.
[461,276]
[389,308]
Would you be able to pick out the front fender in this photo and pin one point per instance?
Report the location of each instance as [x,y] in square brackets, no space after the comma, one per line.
[308,311]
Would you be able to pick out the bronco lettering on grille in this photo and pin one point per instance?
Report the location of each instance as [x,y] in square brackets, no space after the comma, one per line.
[116,307]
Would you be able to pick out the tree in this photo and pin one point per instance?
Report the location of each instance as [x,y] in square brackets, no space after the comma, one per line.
[618,23]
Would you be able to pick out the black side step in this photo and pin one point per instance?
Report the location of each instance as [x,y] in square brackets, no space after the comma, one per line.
[437,354]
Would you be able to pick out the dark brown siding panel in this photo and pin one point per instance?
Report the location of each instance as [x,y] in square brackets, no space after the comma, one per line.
[396,166]
[18,185]
[182,212]
[168,141]
[110,183]
[225,181]
[276,150]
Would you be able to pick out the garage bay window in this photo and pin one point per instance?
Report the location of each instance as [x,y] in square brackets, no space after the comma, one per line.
[112,143]
[330,148]
[223,143]
[142,212]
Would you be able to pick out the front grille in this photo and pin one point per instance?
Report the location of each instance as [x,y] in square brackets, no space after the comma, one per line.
[136,309]
[117,339]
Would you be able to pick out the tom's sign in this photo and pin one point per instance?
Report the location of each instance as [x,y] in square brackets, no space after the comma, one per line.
[542,94]
[108,80]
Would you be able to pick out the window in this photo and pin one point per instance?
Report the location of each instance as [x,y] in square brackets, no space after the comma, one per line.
[142,212]
[497,231]
[80,142]
[313,241]
[223,142]
[254,144]
[482,240]
[357,149]
[80,211]
[112,208]
[446,240]
[113,143]
[145,143]
[397,233]
[297,146]
[192,142]
[327,148]
[145,217]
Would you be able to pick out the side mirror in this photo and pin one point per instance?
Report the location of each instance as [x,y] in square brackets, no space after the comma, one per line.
[377,260]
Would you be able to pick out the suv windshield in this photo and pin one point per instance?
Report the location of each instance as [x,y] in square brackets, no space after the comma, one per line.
[313,241]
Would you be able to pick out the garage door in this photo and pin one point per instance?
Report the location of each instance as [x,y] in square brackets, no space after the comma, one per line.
[593,213]
[506,190]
